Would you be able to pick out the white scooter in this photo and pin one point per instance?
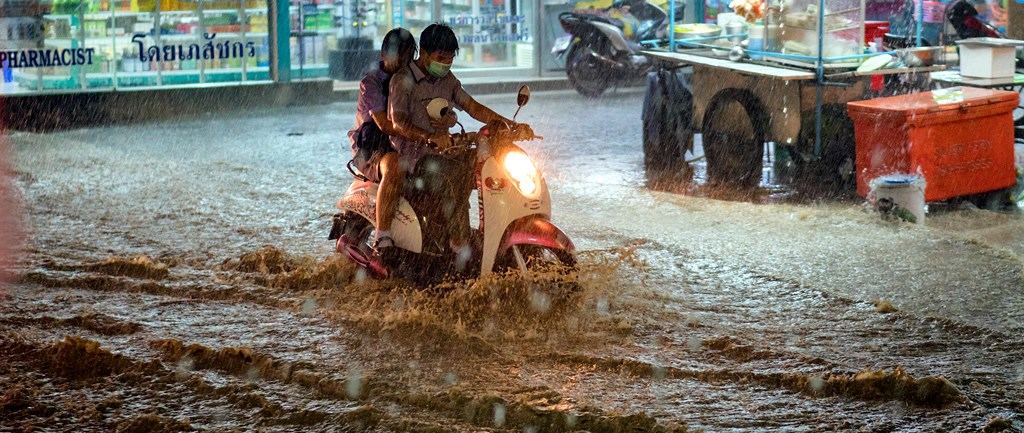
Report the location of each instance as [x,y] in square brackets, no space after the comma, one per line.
[515,231]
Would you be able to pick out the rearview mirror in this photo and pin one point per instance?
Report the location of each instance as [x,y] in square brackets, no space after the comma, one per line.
[524,95]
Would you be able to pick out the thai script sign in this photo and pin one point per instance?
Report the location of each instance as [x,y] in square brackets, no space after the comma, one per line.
[197,51]
[494,26]
[44,58]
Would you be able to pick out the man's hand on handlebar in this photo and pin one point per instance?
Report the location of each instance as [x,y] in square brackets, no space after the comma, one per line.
[523,131]
[441,140]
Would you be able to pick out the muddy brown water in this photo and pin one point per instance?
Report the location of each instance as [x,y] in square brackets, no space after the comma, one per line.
[175,286]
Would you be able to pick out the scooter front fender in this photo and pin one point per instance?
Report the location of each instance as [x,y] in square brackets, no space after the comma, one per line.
[535,230]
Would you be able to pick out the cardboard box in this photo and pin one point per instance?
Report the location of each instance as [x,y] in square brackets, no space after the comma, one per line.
[988,57]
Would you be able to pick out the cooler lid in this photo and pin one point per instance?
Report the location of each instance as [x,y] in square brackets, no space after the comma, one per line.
[954,98]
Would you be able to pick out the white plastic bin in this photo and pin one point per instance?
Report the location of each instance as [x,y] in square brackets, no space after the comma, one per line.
[988,57]
[904,190]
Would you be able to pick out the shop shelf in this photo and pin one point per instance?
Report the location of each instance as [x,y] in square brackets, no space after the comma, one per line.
[116,13]
[842,22]
[235,11]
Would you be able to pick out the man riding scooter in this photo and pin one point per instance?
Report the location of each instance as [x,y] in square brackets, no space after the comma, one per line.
[427,78]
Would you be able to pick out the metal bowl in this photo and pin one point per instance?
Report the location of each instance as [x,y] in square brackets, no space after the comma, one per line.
[699,30]
[920,56]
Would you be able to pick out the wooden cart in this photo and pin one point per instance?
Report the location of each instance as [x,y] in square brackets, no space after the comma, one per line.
[740,106]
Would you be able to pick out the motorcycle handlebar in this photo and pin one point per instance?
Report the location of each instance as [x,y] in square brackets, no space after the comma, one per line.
[463,141]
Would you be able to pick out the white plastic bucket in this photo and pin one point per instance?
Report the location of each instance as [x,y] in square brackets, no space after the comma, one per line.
[904,190]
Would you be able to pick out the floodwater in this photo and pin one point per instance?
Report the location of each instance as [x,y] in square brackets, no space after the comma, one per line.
[178,278]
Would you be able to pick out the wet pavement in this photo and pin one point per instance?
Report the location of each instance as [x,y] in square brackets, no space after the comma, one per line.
[179,278]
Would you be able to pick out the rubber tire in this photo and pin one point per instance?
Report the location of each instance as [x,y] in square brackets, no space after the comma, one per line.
[664,150]
[575,60]
[828,175]
[734,161]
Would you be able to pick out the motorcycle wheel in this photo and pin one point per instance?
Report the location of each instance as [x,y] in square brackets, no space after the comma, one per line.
[586,74]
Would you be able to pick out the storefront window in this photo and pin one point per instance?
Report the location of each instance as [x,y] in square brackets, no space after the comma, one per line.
[76,45]
[341,39]
[492,33]
[105,44]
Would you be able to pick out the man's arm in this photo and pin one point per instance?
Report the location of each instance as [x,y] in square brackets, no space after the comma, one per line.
[385,125]
[477,110]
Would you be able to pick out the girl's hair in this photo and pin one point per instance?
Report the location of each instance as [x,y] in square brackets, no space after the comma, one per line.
[398,41]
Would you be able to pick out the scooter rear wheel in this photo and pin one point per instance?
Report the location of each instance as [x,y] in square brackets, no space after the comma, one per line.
[586,74]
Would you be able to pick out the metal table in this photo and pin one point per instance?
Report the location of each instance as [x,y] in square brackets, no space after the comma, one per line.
[954,78]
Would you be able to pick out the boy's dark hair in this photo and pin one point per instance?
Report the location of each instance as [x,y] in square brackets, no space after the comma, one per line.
[397,41]
[439,37]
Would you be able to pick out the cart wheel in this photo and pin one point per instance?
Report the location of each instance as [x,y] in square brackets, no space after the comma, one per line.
[733,133]
[834,172]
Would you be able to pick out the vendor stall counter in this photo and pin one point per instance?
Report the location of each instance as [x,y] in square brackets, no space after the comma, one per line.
[739,106]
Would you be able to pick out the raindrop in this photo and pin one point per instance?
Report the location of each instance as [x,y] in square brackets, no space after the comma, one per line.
[693,343]
[658,372]
[462,258]
[450,378]
[529,429]
[540,301]
[309,306]
[185,364]
[419,183]
[354,384]
[792,342]
[571,420]
[602,306]
[360,275]
[816,383]
[489,327]
[499,414]
[398,303]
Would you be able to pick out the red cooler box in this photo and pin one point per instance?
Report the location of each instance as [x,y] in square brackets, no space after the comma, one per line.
[960,139]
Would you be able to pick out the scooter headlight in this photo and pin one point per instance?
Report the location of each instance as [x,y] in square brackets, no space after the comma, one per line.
[522,171]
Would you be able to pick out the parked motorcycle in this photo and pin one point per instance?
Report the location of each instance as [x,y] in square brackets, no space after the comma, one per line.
[602,48]
[515,230]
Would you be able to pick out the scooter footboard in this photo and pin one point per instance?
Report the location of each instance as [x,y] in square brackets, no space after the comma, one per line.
[535,230]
